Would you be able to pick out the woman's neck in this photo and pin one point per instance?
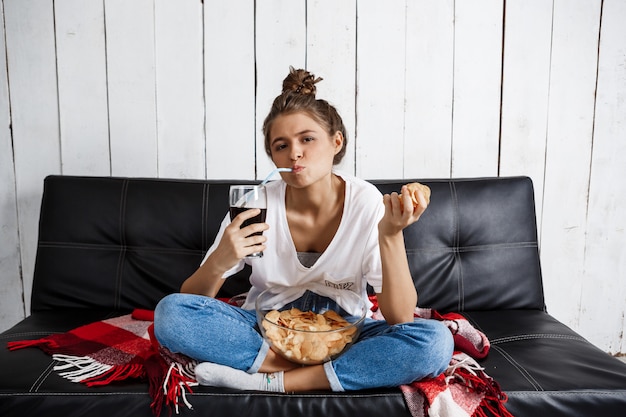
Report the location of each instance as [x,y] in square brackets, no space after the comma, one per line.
[314,214]
[326,193]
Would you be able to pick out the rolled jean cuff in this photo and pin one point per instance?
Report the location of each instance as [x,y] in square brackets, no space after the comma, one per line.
[335,385]
[256,365]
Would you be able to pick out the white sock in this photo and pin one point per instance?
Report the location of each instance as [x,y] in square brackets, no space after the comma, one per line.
[215,375]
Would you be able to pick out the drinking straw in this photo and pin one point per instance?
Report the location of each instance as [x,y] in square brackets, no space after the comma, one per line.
[271,174]
[244,200]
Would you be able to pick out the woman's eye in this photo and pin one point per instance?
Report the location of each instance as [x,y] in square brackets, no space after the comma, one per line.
[307,139]
[280,147]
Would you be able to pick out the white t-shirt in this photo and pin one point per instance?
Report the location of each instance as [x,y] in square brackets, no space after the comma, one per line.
[351,260]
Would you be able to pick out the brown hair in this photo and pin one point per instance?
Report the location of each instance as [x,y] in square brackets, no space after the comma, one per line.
[299,96]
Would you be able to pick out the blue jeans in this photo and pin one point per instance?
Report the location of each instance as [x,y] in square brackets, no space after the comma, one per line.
[210,330]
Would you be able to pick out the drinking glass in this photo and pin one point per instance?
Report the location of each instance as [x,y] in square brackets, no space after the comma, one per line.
[245,197]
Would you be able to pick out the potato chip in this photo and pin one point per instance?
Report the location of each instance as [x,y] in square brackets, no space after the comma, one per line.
[413,190]
[273,316]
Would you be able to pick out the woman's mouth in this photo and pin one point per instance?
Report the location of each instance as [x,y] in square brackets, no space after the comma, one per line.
[296,168]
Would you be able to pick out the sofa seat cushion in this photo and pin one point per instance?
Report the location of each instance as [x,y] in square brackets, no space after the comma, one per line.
[546,368]
[540,363]
[30,370]
[30,386]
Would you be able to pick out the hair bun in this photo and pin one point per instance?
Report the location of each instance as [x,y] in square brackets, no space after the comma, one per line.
[300,81]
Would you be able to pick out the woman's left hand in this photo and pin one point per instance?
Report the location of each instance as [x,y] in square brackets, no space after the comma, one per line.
[400,212]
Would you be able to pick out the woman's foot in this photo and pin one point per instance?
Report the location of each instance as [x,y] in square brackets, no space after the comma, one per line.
[215,375]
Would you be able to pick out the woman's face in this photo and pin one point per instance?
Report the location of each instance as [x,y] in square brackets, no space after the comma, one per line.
[298,142]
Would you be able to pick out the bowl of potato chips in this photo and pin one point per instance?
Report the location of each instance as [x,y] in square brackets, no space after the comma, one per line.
[312,332]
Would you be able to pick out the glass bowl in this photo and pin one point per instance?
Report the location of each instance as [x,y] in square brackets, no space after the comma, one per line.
[312,331]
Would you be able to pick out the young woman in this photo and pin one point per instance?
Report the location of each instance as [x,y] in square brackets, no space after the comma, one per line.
[324,229]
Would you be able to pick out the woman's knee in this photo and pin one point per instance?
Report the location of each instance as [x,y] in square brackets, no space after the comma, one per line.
[167,309]
[442,347]
[171,317]
[436,344]
[166,303]
[164,312]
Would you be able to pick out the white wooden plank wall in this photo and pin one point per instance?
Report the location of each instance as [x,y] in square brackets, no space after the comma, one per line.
[380,54]
[331,36]
[280,41]
[229,80]
[81,68]
[130,52]
[604,267]
[477,81]
[34,123]
[178,42]
[427,89]
[569,144]
[11,302]
[525,91]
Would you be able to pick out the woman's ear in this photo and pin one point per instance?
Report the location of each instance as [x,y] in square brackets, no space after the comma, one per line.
[338,141]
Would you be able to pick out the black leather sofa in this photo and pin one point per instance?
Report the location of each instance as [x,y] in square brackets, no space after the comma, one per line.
[109,245]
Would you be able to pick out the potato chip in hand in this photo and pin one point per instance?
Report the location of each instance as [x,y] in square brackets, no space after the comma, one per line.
[413,189]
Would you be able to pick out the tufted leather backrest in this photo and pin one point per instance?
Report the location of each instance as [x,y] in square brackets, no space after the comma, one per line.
[123,243]
[475,247]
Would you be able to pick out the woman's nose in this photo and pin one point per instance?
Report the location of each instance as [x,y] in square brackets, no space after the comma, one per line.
[296,153]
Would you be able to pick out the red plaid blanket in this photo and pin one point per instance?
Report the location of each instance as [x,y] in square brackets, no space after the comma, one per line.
[464,389]
[116,349]
[124,347]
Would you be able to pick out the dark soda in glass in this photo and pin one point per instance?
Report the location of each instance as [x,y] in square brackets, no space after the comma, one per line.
[260,218]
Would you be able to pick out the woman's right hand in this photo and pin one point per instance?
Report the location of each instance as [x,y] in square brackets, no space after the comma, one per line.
[235,244]
[239,242]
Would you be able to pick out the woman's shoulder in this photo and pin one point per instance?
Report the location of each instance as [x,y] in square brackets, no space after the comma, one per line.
[362,196]
[360,186]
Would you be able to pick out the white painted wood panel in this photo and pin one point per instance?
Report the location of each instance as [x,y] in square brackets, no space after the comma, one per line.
[525,87]
[415,80]
[380,97]
[331,54]
[603,292]
[429,88]
[11,290]
[81,64]
[230,89]
[31,64]
[179,96]
[568,154]
[477,87]
[132,94]
[280,42]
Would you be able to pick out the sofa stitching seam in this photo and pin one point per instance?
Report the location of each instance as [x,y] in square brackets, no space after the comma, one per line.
[469,317]
[532,336]
[456,248]
[123,248]
[114,247]
[42,377]
[519,367]
[456,244]
[9,336]
[205,215]
[565,393]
